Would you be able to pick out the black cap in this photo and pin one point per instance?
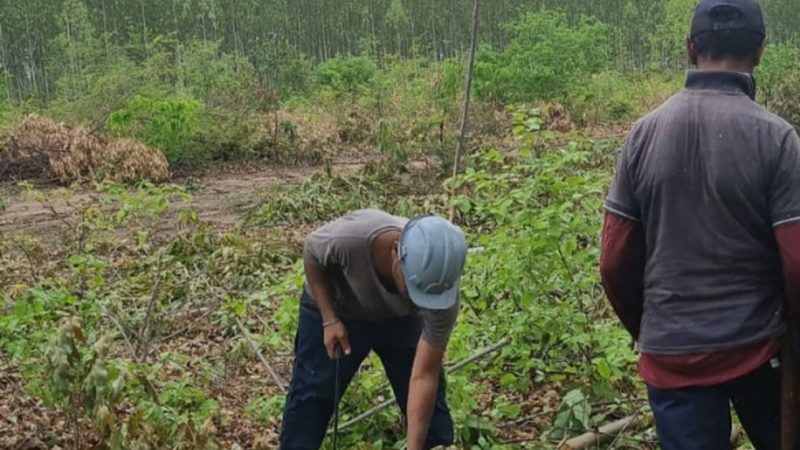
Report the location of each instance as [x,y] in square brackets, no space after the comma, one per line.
[728,15]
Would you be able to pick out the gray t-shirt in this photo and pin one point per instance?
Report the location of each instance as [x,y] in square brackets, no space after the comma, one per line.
[344,248]
[709,174]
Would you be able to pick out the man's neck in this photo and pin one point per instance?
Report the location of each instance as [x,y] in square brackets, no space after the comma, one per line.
[382,258]
[725,66]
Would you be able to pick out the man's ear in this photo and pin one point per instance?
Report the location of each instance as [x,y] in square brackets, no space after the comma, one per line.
[691,51]
[759,54]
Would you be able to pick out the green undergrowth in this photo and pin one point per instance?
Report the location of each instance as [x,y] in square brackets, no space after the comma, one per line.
[89,323]
[323,198]
[535,219]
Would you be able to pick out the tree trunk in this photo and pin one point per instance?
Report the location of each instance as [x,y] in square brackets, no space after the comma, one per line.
[70,56]
[4,61]
[31,60]
[105,26]
[467,92]
[177,33]
[144,27]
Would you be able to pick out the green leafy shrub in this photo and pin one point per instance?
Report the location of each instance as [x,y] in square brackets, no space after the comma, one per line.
[207,73]
[666,42]
[613,97]
[323,198]
[5,105]
[109,88]
[346,74]
[318,199]
[181,403]
[779,81]
[263,410]
[288,70]
[546,58]
[535,215]
[78,327]
[449,83]
[170,125]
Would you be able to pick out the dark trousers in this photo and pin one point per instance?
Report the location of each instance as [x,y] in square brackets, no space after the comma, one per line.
[699,418]
[310,400]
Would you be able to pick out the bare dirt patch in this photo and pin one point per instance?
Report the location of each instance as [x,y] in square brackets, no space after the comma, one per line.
[220,195]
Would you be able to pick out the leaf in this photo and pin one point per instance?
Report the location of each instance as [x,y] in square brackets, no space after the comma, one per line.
[508,411]
[603,369]
[574,397]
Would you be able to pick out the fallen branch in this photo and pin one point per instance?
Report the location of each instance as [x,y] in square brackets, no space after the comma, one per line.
[604,433]
[191,314]
[615,429]
[186,328]
[119,326]
[455,367]
[459,364]
[619,435]
[246,334]
[491,349]
[273,374]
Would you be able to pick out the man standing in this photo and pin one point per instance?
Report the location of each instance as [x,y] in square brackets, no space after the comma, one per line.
[376,282]
[701,244]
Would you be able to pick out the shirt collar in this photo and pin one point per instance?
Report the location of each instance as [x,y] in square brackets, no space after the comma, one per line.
[740,82]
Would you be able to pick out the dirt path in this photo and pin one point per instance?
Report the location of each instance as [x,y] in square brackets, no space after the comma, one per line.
[220,197]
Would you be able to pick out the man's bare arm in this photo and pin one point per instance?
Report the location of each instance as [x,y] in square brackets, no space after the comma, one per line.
[422,392]
[320,290]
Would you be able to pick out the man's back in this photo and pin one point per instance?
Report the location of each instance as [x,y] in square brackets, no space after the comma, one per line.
[701,242]
[703,175]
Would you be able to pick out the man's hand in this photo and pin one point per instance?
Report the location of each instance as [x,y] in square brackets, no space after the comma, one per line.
[422,392]
[336,335]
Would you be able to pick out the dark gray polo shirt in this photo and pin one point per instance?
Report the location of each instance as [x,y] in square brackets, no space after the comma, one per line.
[709,174]
[344,247]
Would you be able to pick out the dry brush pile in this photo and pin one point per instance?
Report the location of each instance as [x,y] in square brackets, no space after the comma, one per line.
[40,148]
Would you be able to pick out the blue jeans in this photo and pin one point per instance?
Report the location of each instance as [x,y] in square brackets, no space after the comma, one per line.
[699,418]
[310,400]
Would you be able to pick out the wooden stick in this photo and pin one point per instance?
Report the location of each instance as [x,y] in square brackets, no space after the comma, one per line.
[450,367]
[491,349]
[455,367]
[186,328]
[121,329]
[613,430]
[273,374]
[468,90]
[601,434]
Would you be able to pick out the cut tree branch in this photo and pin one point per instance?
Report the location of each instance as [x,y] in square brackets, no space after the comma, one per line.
[121,329]
[455,367]
[604,433]
[254,347]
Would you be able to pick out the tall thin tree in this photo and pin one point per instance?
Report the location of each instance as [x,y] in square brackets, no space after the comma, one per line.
[467,95]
